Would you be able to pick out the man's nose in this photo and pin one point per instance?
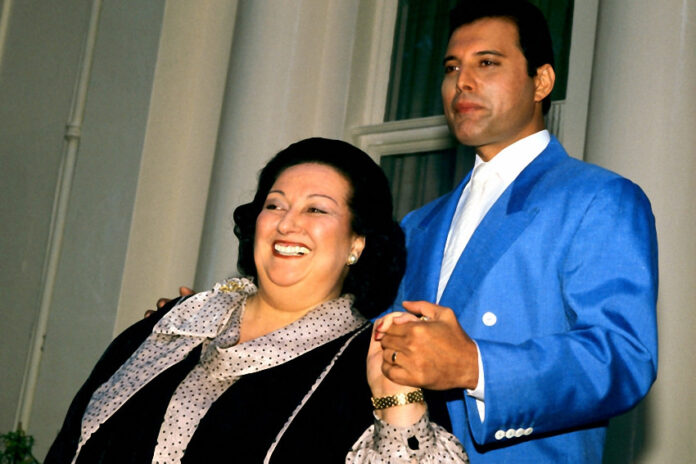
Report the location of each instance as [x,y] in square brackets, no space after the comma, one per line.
[465,79]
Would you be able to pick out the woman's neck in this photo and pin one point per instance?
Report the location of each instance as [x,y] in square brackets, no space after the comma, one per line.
[265,312]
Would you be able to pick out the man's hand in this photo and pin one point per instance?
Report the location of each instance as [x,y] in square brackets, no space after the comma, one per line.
[432,352]
[183,291]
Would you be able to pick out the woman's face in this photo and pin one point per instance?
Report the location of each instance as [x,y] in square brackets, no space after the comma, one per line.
[303,232]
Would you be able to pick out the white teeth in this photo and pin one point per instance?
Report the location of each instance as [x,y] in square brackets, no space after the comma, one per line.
[293,250]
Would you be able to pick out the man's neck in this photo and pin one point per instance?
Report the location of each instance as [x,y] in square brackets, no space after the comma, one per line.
[519,153]
[491,150]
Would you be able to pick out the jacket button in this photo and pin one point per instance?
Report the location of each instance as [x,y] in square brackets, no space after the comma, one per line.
[519,433]
[500,434]
[510,433]
[528,431]
[489,319]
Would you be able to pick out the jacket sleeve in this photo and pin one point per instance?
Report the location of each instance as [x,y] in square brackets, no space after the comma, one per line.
[605,360]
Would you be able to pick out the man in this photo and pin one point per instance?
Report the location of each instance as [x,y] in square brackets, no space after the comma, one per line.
[538,279]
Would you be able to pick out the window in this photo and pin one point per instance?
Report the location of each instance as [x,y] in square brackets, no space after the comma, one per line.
[411,140]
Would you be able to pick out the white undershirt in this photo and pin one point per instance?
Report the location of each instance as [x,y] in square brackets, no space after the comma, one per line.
[502,170]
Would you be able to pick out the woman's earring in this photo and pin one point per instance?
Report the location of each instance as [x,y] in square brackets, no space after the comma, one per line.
[352,259]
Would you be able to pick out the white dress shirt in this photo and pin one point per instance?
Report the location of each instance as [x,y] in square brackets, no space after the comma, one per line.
[497,174]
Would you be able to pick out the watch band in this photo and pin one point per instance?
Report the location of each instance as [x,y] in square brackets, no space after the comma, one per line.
[400,399]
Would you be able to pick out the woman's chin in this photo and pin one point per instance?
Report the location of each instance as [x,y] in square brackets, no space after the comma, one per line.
[285,280]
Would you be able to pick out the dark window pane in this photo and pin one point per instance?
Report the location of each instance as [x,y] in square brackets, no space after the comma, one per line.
[417,178]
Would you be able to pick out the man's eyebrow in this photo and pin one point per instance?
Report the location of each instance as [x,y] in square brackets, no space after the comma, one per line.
[479,53]
[489,52]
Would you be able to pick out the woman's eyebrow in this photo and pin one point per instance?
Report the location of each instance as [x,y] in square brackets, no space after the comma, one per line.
[324,196]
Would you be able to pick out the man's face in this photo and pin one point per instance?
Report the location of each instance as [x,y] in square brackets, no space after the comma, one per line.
[490,100]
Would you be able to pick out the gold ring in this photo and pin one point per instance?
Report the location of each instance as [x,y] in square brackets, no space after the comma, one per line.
[394,358]
[424,318]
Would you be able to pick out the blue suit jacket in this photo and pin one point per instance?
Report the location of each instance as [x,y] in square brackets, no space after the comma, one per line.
[558,286]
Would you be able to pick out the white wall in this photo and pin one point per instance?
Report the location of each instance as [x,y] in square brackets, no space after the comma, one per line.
[642,124]
[40,69]
[181,136]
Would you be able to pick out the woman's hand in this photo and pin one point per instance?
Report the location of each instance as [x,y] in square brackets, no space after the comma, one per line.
[380,385]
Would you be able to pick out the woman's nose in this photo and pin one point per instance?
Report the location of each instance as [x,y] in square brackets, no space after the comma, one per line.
[288,223]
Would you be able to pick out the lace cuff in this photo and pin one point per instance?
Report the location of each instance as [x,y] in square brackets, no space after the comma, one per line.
[423,442]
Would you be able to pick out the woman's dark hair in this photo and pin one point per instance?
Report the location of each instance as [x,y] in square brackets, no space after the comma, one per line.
[375,278]
[532,28]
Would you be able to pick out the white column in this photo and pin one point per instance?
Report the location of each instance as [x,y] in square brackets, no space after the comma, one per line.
[642,124]
[178,152]
[288,79]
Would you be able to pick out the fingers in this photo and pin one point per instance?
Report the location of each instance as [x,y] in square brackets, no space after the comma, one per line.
[383,324]
[375,347]
[186,291]
[398,375]
[395,352]
[397,370]
[424,308]
[406,317]
[183,291]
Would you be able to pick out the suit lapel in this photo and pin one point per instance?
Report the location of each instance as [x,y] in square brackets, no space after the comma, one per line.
[502,225]
[427,245]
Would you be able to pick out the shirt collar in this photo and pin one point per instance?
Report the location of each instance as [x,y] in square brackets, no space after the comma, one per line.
[511,160]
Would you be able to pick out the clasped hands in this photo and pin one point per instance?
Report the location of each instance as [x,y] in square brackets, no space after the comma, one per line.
[424,347]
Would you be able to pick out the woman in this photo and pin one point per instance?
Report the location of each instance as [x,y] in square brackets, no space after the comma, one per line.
[272,372]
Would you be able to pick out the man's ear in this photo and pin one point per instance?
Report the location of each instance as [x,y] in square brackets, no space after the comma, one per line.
[543,82]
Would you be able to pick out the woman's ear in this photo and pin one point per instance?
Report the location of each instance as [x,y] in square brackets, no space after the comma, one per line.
[358,245]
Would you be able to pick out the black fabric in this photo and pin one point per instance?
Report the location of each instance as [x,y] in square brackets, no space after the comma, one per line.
[437,406]
[138,421]
[63,448]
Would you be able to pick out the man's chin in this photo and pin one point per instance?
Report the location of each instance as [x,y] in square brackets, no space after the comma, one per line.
[468,139]
[466,133]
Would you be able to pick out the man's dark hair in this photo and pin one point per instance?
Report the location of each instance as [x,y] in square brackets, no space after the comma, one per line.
[532,28]
[375,278]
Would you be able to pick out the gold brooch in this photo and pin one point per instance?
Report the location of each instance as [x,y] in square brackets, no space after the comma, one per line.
[231,286]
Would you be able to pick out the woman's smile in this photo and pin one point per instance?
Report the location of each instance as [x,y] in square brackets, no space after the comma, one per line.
[289,250]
